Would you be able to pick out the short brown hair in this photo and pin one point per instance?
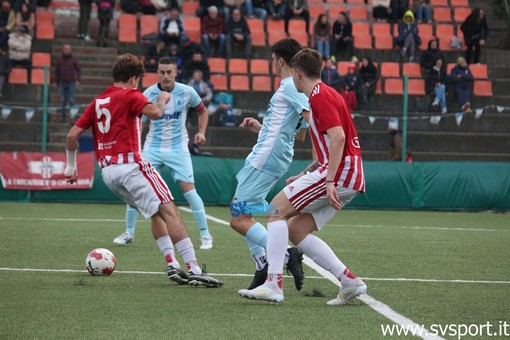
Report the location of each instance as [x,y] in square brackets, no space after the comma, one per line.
[127,66]
[167,61]
[286,49]
[308,61]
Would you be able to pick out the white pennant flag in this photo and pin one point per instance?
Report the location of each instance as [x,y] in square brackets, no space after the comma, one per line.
[29,113]
[478,113]
[6,112]
[500,108]
[458,117]
[435,119]
[73,111]
[371,119]
[393,123]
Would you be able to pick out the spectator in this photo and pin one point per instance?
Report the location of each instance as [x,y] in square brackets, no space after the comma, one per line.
[475,32]
[350,84]
[129,6]
[423,11]
[342,35]
[20,44]
[321,34]
[5,68]
[329,74]
[147,7]
[230,5]
[297,8]
[367,80]
[255,8]
[238,32]
[398,9]
[7,22]
[152,54]
[196,63]
[429,57]
[83,21]
[435,84]
[222,104]
[381,10]
[212,30]
[188,47]
[395,151]
[461,79]
[67,76]
[16,5]
[171,27]
[25,17]
[175,56]
[276,8]
[408,36]
[104,14]
[205,4]
[202,88]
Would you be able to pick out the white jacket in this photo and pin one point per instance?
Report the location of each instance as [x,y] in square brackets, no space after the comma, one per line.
[381,3]
[19,46]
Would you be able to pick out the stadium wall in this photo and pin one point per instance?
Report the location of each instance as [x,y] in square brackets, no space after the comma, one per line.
[390,185]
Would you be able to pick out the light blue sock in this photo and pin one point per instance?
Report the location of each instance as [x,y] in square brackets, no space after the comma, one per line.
[198,210]
[131,217]
[256,239]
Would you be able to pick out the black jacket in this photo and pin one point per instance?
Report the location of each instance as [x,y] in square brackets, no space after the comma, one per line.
[429,57]
[474,28]
[434,76]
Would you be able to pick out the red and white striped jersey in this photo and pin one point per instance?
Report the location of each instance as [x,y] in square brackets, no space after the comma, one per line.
[327,110]
[116,120]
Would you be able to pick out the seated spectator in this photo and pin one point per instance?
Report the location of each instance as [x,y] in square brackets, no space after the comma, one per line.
[222,104]
[152,54]
[174,55]
[205,4]
[32,5]
[7,22]
[350,84]
[105,15]
[20,44]
[188,47]
[5,68]
[423,11]
[398,9]
[237,32]
[212,29]
[255,8]
[129,6]
[321,35]
[475,32]
[381,10]
[435,84]
[367,80]
[25,17]
[297,8]
[276,8]
[408,36]
[196,63]
[147,7]
[171,27]
[329,74]
[461,79]
[202,88]
[342,35]
[429,57]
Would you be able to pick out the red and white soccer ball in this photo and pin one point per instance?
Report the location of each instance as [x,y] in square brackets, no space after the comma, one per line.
[100,262]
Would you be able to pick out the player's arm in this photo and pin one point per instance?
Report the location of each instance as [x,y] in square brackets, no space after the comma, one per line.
[203,120]
[336,136]
[156,110]
[301,135]
[71,171]
[251,124]
[310,168]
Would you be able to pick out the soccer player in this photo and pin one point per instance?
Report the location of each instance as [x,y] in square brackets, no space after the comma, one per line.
[115,117]
[269,160]
[167,145]
[311,198]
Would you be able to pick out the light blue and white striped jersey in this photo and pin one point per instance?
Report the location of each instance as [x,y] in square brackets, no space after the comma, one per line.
[275,144]
[169,133]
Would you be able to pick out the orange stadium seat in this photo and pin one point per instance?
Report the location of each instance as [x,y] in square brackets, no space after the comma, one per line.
[149,24]
[43,17]
[383,42]
[335,8]
[390,70]
[149,79]
[297,25]
[276,83]
[316,10]
[275,26]
[261,83]
[239,83]
[256,25]
[40,59]
[127,34]
[342,66]
[219,81]
[258,35]
[127,20]
[461,13]
[482,88]
[259,66]
[359,2]
[394,86]
[194,34]
[413,70]
[189,7]
[479,71]
[301,37]
[459,3]
[217,65]
[191,23]
[381,28]
[363,41]
[378,87]
[360,28]
[37,76]
[426,35]
[358,13]
[416,87]
[442,14]
[449,67]
[274,36]
[18,76]
[439,2]
[238,66]
[45,31]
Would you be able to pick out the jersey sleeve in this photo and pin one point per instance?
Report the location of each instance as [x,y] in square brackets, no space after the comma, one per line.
[326,111]
[194,99]
[137,101]
[87,118]
[298,101]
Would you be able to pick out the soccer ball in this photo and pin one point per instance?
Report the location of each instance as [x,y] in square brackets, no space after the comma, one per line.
[100,262]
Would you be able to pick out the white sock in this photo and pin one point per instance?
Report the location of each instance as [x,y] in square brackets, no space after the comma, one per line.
[167,249]
[260,260]
[277,241]
[187,252]
[321,253]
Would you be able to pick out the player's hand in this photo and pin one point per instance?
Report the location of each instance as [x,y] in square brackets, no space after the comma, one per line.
[251,124]
[71,175]
[332,195]
[199,139]
[292,179]
[163,97]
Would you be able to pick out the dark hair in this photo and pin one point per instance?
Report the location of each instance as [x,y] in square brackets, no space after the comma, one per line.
[286,49]
[308,61]
[127,66]
[167,61]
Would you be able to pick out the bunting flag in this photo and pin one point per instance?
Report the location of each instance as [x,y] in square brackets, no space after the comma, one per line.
[29,113]
[458,117]
[393,123]
[371,119]
[6,111]
[73,111]
[478,113]
[500,108]
[435,119]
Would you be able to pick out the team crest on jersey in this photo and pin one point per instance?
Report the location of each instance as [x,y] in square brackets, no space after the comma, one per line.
[355,142]
[291,188]
[316,90]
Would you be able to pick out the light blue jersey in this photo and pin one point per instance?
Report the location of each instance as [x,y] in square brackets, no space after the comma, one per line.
[169,133]
[275,144]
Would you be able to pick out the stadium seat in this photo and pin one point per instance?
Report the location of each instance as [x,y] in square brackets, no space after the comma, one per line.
[149,79]
[191,23]
[358,13]
[127,34]
[378,87]
[127,20]
[237,66]
[394,86]
[239,83]
[426,34]
[18,76]
[416,87]
[482,88]
[37,76]
[335,8]
[194,34]
[217,65]
[442,14]
[383,42]
[219,81]
[445,33]
[45,32]
[149,24]
[261,83]
[413,70]
[274,36]
[390,70]
[40,59]
[360,28]
[316,10]
[258,39]
[190,7]
[461,13]
[435,3]
[259,66]
[297,25]
[381,28]
[342,66]
[358,2]
[479,71]
[449,67]
[301,37]
[276,83]
[258,34]
[363,41]
[276,26]
[459,3]
[44,18]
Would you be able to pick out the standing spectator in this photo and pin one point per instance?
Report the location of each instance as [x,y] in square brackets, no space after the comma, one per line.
[329,74]
[83,21]
[321,35]
[429,57]
[276,8]
[104,14]
[368,80]
[202,88]
[25,17]
[408,36]
[350,84]
[398,9]
[423,11]
[129,6]
[205,4]
[435,84]
[381,10]
[67,76]
[171,27]
[196,63]
[188,47]
[147,7]
[461,79]
[5,69]
[20,44]
[152,54]
[7,22]
[475,32]
[238,32]
[342,34]
[255,8]
[212,30]
[297,8]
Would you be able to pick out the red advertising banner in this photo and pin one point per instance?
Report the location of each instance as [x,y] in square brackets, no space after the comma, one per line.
[44,171]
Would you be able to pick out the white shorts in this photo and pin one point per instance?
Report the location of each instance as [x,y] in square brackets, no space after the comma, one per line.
[138,185]
[307,194]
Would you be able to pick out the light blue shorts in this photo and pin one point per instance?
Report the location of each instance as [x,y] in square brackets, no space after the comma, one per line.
[253,185]
[179,164]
